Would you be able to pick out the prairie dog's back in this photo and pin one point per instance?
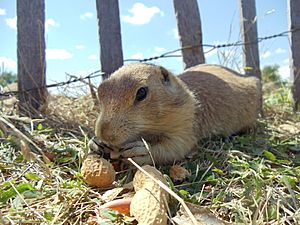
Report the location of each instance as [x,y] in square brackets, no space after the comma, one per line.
[227,101]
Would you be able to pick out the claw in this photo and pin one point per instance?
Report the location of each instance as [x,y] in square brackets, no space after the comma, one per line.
[132,145]
[138,151]
[99,148]
[135,152]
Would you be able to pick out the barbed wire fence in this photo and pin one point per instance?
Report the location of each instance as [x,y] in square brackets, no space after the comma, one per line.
[168,54]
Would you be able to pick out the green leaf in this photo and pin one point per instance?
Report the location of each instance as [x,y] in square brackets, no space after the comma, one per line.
[7,184]
[72,184]
[289,181]
[284,161]
[210,178]
[110,214]
[19,159]
[48,216]
[218,171]
[24,187]
[32,194]
[272,211]
[11,193]
[219,198]
[32,176]
[185,193]
[269,155]
[40,126]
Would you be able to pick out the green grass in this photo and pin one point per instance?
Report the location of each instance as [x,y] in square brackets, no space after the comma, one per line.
[253,178]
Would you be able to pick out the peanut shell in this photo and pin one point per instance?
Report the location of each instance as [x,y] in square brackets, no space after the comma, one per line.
[149,204]
[97,171]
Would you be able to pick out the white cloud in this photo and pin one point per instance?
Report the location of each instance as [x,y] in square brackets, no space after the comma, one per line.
[50,23]
[138,55]
[284,72]
[93,57]
[280,50]
[175,33]
[266,54]
[271,11]
[141,14]
[286,61]
[11,22]
[2,12]
[159,49]
[80,46]
[87,15]
[59,54]
[8,63]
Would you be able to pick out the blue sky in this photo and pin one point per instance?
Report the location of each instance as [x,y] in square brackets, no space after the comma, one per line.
[148,29]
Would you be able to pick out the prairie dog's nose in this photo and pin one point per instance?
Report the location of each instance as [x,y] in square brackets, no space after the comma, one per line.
[105,133]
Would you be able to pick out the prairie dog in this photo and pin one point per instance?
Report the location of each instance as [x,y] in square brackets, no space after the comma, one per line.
[171,113]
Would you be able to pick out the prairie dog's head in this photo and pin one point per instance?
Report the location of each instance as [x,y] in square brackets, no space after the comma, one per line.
[139,101]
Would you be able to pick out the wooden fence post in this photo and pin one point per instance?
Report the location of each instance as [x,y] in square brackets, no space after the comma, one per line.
[111,54]
[31,55]
[190,32]
[294,25]
[248,21]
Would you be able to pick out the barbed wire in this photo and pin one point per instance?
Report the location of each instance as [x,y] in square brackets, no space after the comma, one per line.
[213,47]
[94,74]
[169,54]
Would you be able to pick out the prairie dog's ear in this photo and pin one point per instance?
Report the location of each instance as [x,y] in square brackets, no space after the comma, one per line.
[165,76]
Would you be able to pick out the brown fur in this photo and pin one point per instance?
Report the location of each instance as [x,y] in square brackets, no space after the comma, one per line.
[206,100]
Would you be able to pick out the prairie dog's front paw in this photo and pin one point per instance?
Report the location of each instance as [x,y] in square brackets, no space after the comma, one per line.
[138,151]
[98,147]
[134,149]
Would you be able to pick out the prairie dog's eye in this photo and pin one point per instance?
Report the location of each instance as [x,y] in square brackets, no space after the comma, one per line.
[141,94]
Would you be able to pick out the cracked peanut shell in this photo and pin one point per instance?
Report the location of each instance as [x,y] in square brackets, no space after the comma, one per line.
[97,171]
[149,204]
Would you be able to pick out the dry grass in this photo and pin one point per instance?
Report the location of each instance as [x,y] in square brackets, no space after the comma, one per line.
[248,179]
[73,111]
